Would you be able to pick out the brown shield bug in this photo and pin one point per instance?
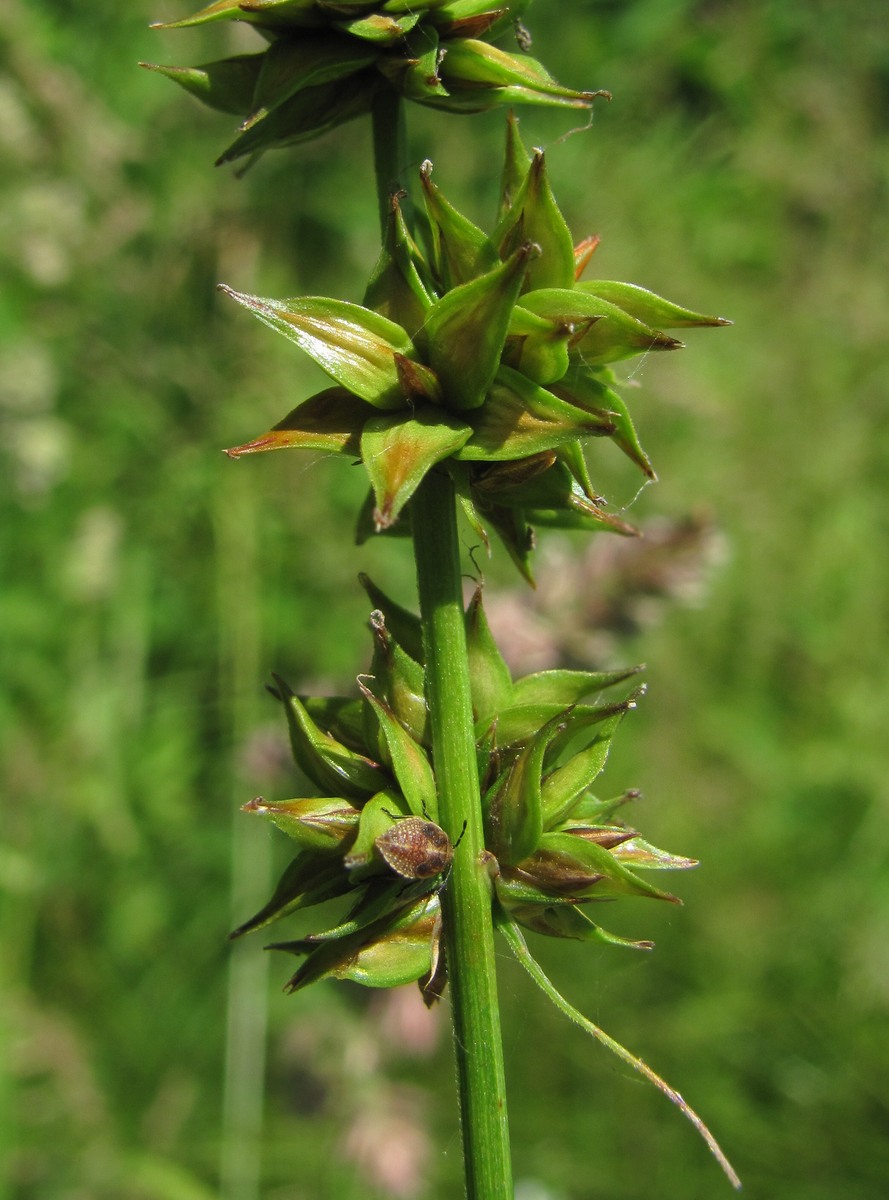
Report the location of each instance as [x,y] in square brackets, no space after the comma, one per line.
[416,848]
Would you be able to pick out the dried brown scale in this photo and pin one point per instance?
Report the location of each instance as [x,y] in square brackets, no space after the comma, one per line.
[607,838]
[549,874]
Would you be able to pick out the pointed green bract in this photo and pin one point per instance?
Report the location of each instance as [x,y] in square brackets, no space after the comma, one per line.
[290,65]
[513,817]
[538,348]
[464,332]
[580,387]
[391,952]
[408,760]
[460,474]
[479,64]
[564,786]
[520,419]
[605,332]
[645,306]
[567,687]
[331,421]
[584,522]
[534,216]
[305,115]
[569,857]
[396,289]
[516,534]
[328,763]
[228,85]
[403,624]
[571,455]
[398,679]
[556,490]
[568,921]
[636,852]
[516,163]
[310,879]
[316,823]
[491,681]
[519,722]
[379,28]
[397,453]
[582,722]
[340,716]
[222,10]
[355,346]
[591,810]
[519,947]
[378,899]
[461,251]
[470,98]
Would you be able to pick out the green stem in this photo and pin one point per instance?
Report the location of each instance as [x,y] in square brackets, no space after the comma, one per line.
[466,900]
[390,149]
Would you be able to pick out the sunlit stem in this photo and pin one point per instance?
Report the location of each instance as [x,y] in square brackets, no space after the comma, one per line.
[390,153]
[466,901]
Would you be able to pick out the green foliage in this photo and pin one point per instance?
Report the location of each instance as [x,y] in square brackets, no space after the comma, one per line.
[533,738]
[462,377]
[326,63]
[129,614]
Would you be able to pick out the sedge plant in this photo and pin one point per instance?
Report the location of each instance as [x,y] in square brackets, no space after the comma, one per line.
[451,802]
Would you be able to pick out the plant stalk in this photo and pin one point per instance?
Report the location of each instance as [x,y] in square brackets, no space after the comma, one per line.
[390,152]
[466,898]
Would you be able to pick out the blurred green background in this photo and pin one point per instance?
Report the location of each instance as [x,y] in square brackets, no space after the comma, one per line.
[150,585]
